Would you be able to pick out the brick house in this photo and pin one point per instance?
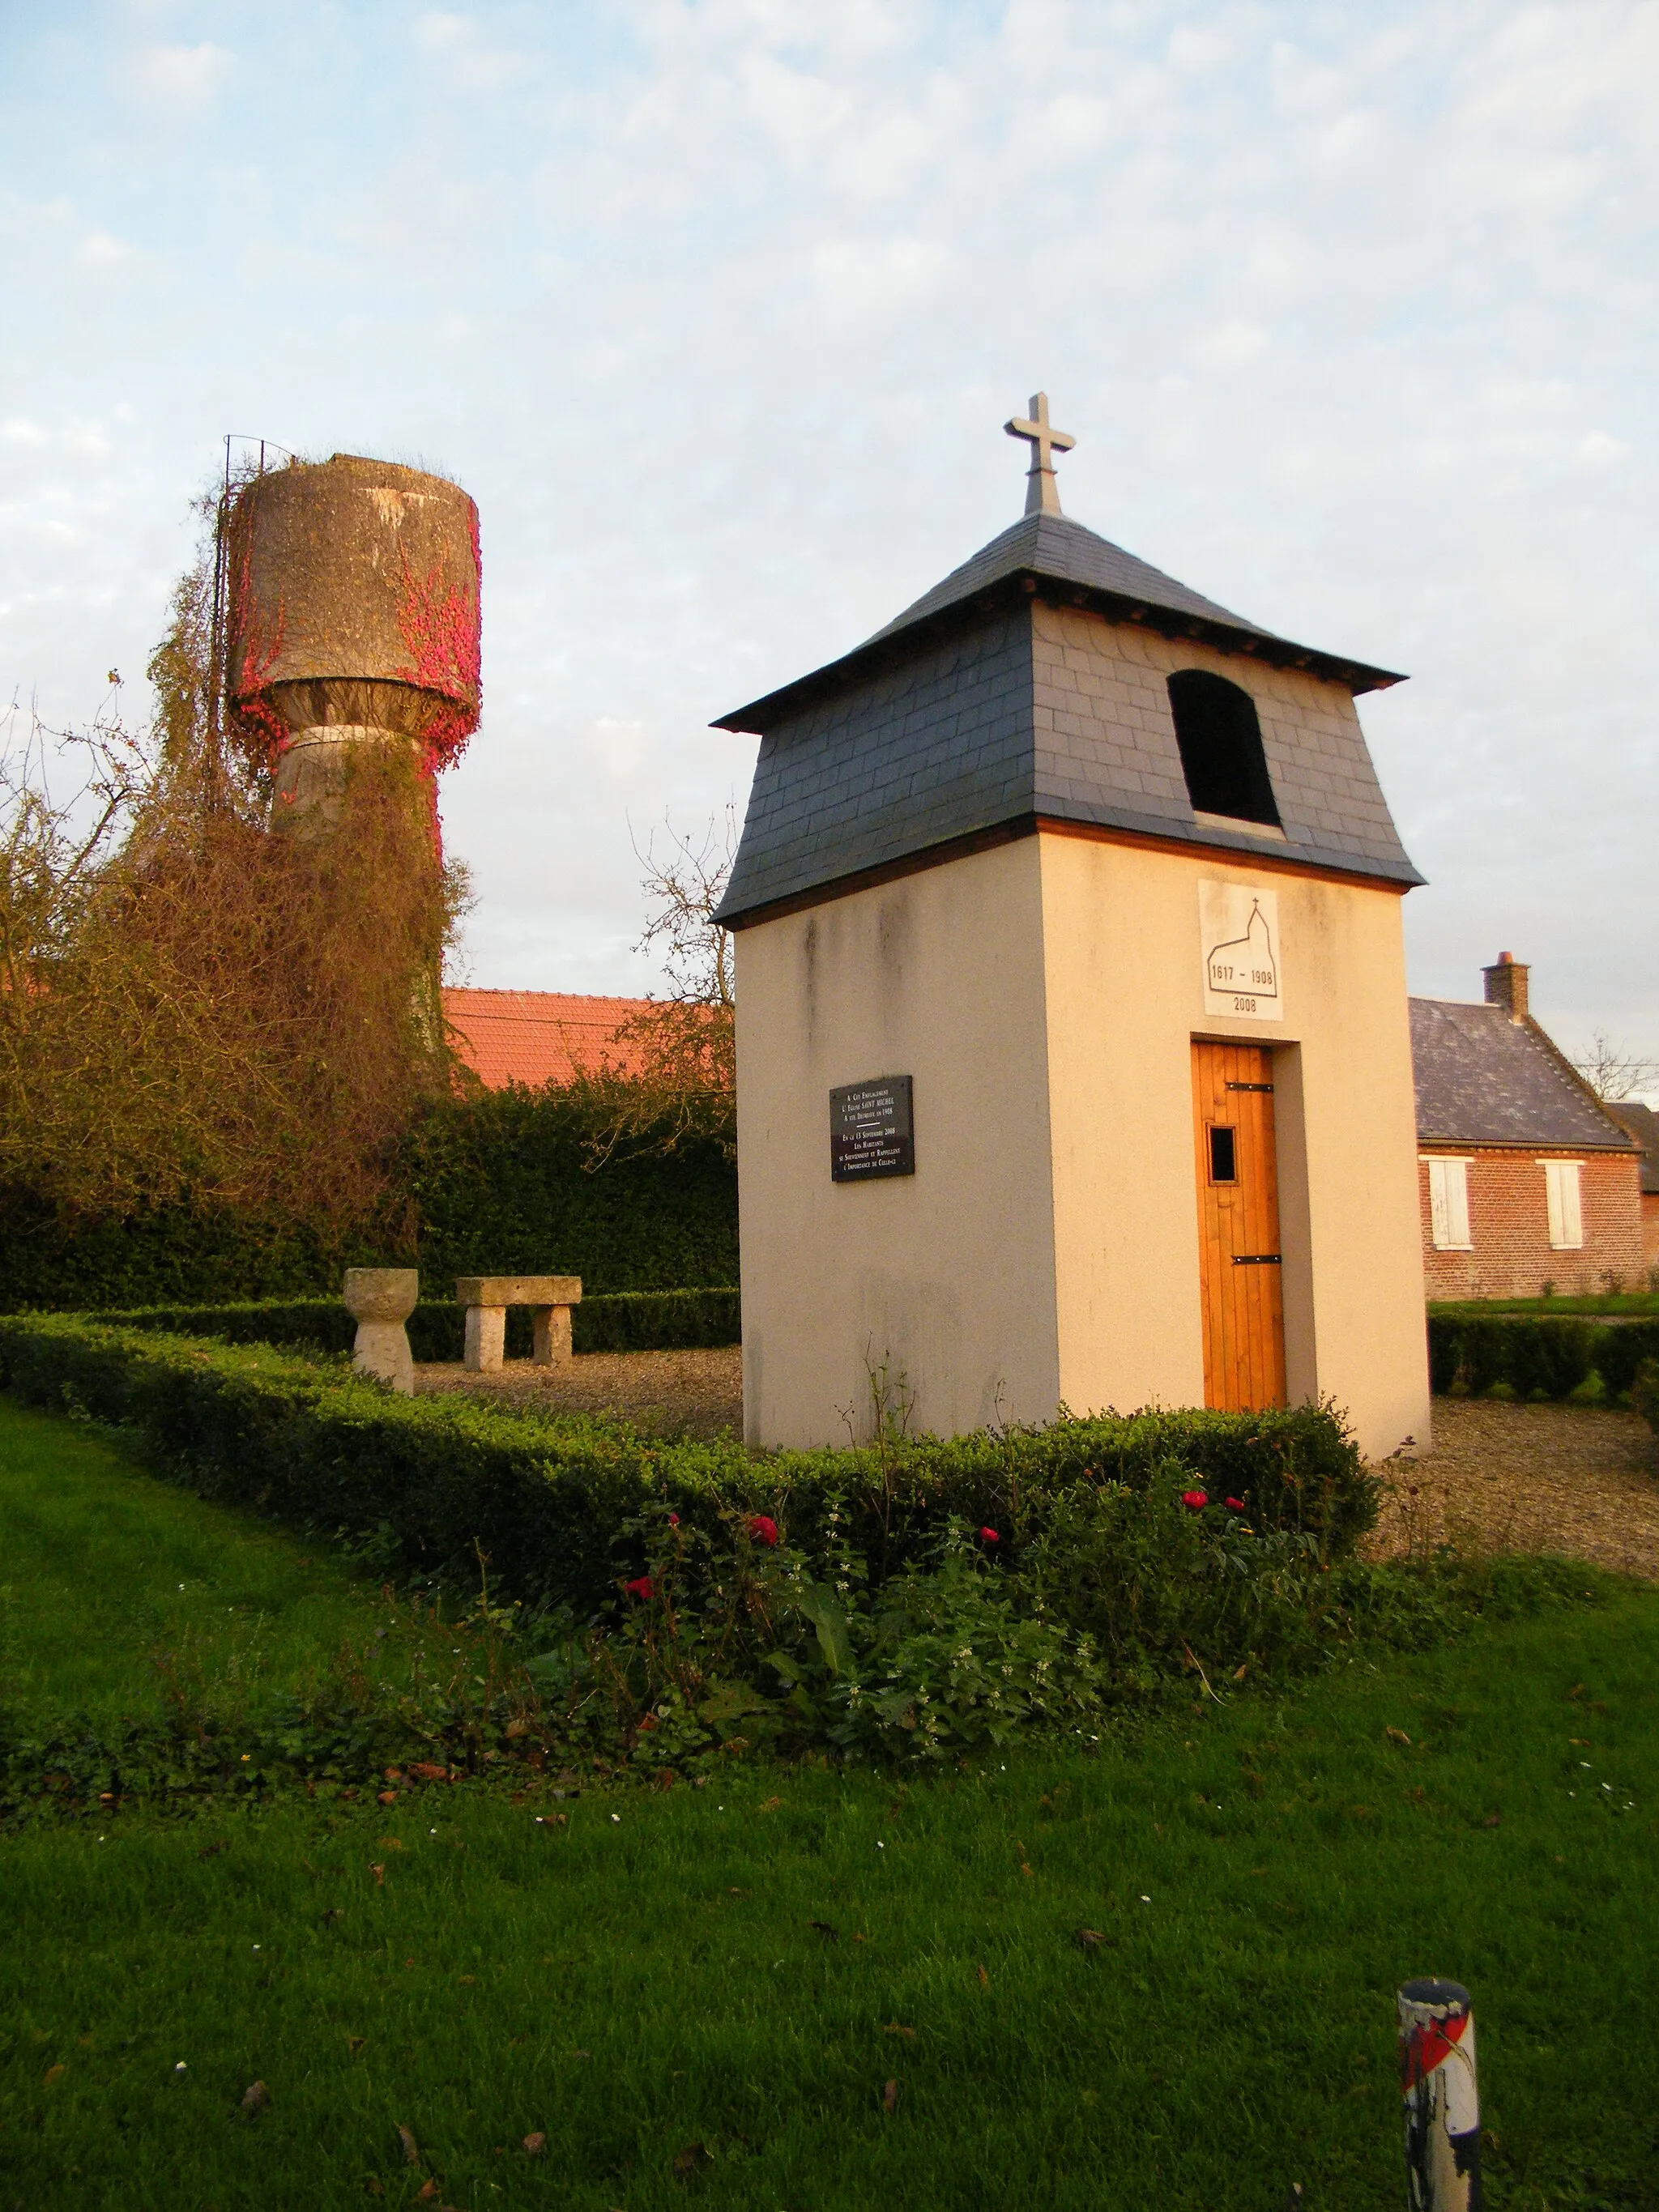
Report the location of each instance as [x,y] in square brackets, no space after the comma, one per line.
[1643,1123]
[1525,1178]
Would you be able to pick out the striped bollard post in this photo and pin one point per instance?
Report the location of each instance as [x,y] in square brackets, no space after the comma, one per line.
[1443,2104]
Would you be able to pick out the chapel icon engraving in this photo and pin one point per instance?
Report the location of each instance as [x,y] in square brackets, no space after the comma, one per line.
[1246,965]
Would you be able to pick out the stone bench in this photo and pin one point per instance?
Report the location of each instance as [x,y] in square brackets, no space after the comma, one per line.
[487,1298]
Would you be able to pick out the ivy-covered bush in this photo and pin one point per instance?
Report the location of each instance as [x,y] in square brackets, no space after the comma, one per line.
[555,1501]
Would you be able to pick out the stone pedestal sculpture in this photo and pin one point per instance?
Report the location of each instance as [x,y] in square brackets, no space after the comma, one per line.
[381,1299]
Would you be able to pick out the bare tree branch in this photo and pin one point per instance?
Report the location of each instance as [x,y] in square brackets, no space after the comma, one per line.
[1613,1071]
[671,1076]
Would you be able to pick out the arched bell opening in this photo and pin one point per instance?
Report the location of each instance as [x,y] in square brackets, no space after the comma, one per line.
[1220,742]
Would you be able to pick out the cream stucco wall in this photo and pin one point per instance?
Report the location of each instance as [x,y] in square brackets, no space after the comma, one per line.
[1124,987]
[1044,996]
[945,1277]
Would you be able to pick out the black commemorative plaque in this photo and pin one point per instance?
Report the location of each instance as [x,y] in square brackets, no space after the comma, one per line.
[871,1131]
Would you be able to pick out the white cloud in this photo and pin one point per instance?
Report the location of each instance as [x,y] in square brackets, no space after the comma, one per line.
[458,52]
[857,280]
[1233,345]
[179,78]
[99,250]
[1598,451]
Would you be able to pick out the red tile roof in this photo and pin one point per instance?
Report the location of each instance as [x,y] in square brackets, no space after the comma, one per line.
[536,1037]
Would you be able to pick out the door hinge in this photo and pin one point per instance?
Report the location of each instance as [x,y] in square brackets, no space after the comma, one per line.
[1249,1086]
[1257,1260]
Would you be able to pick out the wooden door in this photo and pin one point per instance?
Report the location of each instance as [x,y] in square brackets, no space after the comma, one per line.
[1238,1226]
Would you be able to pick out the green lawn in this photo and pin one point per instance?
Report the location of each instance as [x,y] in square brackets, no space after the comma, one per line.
[1610,1301]
[114,1585]
[729,1976]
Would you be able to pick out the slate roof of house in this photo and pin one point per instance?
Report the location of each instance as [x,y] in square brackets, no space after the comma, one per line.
[1484,1079]
[1642,1123]
[535,1037]
[928,733]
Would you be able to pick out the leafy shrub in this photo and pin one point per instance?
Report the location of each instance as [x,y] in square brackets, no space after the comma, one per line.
[656,1321]
[1621,1353]
[555,1501]
[1526,1357]
[497,1182]
[1644,1393]
[504,1182]
[627,1321]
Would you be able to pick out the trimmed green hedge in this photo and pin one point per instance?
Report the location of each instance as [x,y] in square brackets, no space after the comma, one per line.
[555,1501]
[1537,1358]
[627,1321]
[164,1256]
[499,1183]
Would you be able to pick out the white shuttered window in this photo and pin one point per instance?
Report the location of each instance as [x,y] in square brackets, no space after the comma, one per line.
[1448,1205]
[1566,1216]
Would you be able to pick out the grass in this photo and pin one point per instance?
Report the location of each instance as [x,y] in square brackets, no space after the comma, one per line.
[700,1994]
[1610,1301]
[111,1580]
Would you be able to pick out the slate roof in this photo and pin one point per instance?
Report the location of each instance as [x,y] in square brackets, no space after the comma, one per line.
[1059,550]
[929,732]
[1642,1123]
[536,1037]
[1484,1079]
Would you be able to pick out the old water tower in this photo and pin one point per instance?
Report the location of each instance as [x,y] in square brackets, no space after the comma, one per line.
[351,620]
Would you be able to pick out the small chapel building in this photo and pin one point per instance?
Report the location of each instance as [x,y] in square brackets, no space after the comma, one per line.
[1073,1060]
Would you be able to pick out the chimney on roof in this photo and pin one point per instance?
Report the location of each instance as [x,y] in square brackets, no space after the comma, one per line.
[1506,985]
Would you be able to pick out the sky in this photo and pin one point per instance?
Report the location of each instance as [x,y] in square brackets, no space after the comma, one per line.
[717,309]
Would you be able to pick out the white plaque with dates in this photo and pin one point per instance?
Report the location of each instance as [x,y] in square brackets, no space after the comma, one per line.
[1239,933]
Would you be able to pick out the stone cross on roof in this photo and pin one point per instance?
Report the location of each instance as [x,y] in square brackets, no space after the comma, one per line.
[1042,490]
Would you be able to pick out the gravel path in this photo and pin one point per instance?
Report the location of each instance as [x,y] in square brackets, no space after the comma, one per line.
[698,1392]
[1502,1477]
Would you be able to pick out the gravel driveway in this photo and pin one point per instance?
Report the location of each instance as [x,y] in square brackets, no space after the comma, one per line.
[699,1391]
[1572,1478]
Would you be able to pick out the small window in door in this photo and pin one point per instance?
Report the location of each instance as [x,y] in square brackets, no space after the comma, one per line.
[1224,1153]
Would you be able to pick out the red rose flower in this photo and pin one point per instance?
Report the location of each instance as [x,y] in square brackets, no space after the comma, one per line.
[1235,1505]
[673,1520]
[642,1586]
[989,1536]
[1195,1500]
[764,1530]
